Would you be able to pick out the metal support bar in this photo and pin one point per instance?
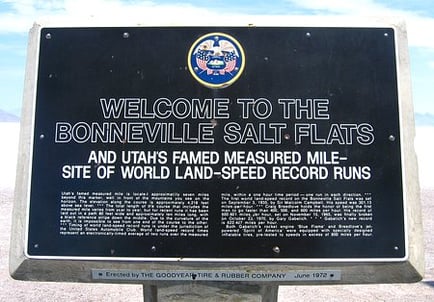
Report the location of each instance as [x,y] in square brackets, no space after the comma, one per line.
[209,291]
[150,293]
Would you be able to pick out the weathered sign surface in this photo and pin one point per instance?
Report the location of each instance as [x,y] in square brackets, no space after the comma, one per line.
[240,144]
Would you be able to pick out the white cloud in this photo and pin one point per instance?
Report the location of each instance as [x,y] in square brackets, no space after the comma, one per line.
[98,12]
[361,7]
[116,12]
[420,28]
[420,31]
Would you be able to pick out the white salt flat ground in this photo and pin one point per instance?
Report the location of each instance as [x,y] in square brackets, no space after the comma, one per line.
[424,144]
[11,290]
[9,133]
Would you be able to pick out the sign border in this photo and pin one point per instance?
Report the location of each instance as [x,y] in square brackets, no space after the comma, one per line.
[25,267]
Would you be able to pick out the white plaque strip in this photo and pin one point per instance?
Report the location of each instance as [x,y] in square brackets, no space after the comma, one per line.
[215,275]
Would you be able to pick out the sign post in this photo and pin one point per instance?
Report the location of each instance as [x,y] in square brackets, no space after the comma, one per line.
[261,155]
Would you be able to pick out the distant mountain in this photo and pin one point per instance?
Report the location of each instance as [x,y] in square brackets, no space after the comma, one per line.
[8,117]
[424,119]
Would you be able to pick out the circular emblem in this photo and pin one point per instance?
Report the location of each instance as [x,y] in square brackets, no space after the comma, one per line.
[216,60]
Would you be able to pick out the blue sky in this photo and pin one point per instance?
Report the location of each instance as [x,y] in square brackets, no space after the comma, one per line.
[17,17]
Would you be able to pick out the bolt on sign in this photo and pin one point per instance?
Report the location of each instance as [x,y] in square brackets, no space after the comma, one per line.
[217,145]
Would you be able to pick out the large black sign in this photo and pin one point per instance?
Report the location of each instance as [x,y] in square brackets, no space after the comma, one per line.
[217,143]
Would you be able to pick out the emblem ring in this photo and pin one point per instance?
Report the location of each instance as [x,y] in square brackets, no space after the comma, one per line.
[216,60]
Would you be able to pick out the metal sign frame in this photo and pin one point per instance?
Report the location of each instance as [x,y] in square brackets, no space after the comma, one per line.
[24,263]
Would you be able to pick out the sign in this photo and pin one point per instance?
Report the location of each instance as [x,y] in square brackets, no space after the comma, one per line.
[253,144]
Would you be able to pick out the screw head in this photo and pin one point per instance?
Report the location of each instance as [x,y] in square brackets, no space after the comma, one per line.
[276,249]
